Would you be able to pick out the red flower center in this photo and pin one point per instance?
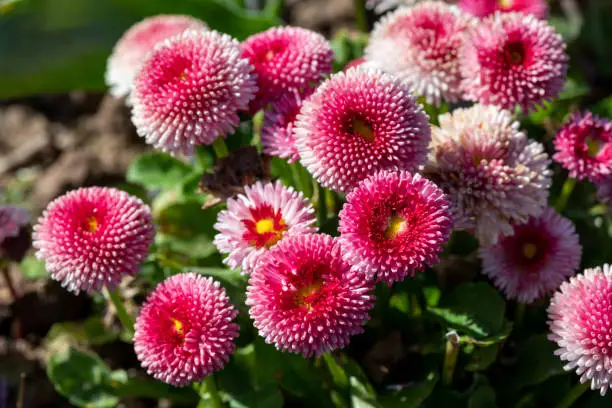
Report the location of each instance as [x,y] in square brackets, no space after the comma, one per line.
[265,228]
[90,224]
[514,53]
[531,247]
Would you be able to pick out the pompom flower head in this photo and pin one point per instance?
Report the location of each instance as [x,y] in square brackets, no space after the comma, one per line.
[483,8]
[584,147]
[359,122]
[580,323]
[184,331]
[512,59]
[189,91]
[257,220]
[493,174]
[421,45]
[305,299]
[394,224]
[12,219]
[287,59]
[536,259]
[136,43]
[92,237]
[277,132]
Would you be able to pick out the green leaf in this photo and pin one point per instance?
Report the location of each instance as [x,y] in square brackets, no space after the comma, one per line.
[536,361]
[59,45]
[155,170]
[482,358]
[483,397]
[476,309]
[83,378]
[411,396]
[187,229]
[32,268]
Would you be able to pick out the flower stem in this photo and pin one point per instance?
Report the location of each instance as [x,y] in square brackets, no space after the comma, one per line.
[4,266]
[220,148]
[360,15]
[573,395]
[322,205]
[566,192]
[209,396]
[122,314]
[519,315]
[450,358]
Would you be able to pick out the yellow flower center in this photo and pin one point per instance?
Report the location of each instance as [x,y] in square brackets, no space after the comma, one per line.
[505,3]
[363,129]
[395,225]
[305,293]
[530,250]
[92,224]
[593,146]
[178,326]
[264,225]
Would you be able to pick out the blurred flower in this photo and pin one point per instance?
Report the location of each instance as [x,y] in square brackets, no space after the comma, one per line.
[483,8]
[394,224]
[584,147]
[382,6]
[14,232]
[604,190]
[359,122]
[277,132]
[287,59]
[189,91]
[184,330]
[421,45]
[579,319]
[135,44]
[91,237]
[512,59]
[536,259]
[12,219]
[256,221]
[493,174]
[305,299]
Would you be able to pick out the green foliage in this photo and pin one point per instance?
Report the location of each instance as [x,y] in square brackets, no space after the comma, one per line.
[155,170]
[59,45]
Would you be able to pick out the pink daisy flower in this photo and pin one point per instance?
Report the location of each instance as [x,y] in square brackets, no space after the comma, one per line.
[184,331]
[305,299]
[584,147]
[394,224]
[257,220]
[493,174]
[136,43]
[287,59]
[483,8]
[189,91]
[12,219]
[277,132]
[536,259]
[511,59]
[92,237]
[421,45]
[579,319]
[359,122]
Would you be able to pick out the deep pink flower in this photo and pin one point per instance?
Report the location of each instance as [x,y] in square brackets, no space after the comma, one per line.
[257,220]
[359,122]
[394,224]
[136,43]
[189,91]
[421,45]
[92,237]
[287,59]
[184,330]
[277,132]
[495,177]
[483,8]
[512,59]
[536,259]
[305,299]
[580,323]
[584,147]
[12,219]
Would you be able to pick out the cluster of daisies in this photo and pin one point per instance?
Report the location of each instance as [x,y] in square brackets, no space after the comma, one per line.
[362,133]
